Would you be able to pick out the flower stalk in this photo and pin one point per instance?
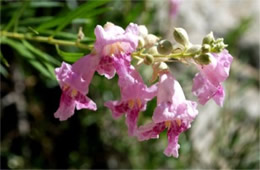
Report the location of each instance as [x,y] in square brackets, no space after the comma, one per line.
[49,40]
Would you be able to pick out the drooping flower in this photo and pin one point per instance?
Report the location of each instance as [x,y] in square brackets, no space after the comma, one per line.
[207,83]
[74,81]
[173,112]
[134,95]
[113,42]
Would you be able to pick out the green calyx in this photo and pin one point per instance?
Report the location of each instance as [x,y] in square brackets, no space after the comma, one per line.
[181,36]
[164,47]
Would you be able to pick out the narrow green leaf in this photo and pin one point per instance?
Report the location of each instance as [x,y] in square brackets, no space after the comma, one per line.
[37,20]
[23,51]
[69,57]
[3,71]
[41,54]
[16,16]
[66,35]
[18,47]
[50,69]
[83,9]
[36,64]
[50,24]
[46,4]
[3,59]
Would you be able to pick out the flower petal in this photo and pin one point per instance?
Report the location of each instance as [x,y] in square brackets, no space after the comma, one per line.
[150,131]
[66,108]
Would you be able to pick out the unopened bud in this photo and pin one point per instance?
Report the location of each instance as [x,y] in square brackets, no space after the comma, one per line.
[193,50]
[219,45]
[158,68]
[148,60]
[203,59]
[163,66]
[205,48]
[165,47]
[150,40]
[142,30]
[80,34]
[141,42]
[152,50]
[181,36]
[208,39]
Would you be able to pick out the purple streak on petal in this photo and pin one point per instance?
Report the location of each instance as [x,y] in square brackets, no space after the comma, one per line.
[173,137]
[131,121]
[66,108]
[117,108]
[150,131]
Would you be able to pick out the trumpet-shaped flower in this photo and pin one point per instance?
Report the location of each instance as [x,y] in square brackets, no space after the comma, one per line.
[207,83]
[113,42]
[173,112]
[74,81]
[134,95]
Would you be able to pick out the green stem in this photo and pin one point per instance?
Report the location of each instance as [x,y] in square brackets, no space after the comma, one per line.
[49,40]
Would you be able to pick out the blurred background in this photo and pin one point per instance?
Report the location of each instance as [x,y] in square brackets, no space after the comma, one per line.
[225,138]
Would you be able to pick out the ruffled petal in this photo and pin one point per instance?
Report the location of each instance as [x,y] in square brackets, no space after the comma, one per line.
[131,121]
[66,108]
[219,96]
[118,108]
[173,137]
[106,67]
[150,131]
[203,89]
[83,102]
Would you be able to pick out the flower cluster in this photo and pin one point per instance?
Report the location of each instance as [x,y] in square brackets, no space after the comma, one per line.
[113,51]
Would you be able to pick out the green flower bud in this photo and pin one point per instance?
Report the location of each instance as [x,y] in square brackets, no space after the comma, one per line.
[152,50]
[164,47]
[181,36]
[148,60]
[208,39]
[203,59]
[141,42]
[218,45]
[205,48]
[193,50]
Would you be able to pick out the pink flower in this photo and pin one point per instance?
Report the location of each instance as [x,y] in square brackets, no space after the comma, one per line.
[173,112]
[114,42]
[207,83]
[134,95]
[74,81]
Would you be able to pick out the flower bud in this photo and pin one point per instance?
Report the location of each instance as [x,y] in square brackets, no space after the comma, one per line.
[218,45]
[205,48]
[148,60]
[181,36]
[193,50]
[142,30]
[208,39]
[150,40]
[141,42]
[152,50]
[163,66]
[164,47]
[203,59]
[158,68]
